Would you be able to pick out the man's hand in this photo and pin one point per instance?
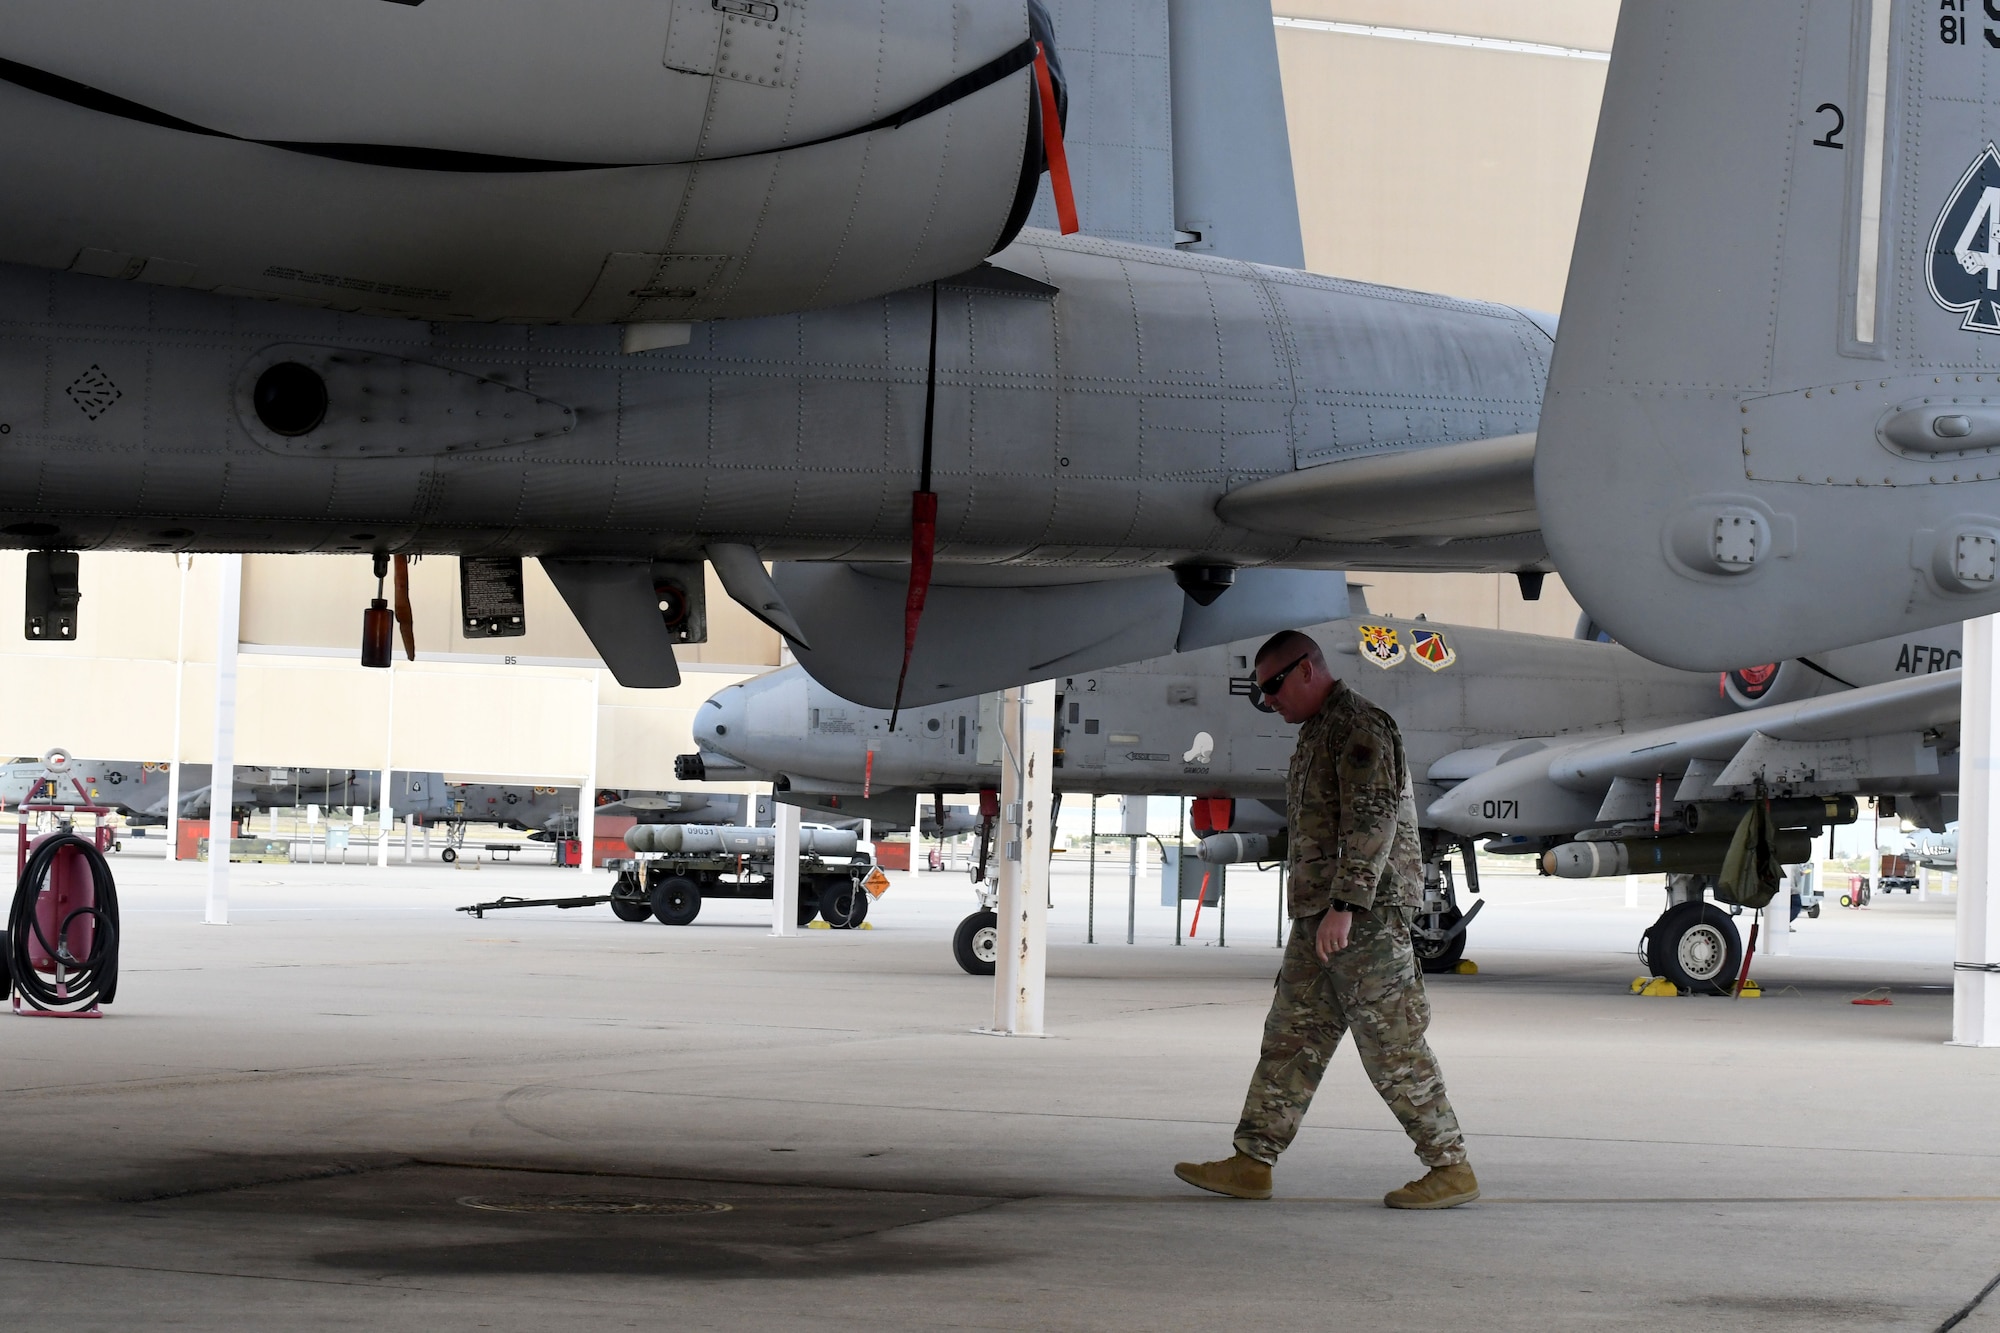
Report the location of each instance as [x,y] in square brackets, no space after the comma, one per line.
[1331,937]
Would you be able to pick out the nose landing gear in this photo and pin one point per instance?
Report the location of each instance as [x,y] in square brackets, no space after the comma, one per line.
[1438,935]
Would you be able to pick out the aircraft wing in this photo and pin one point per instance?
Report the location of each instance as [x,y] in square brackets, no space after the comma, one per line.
[1893,710]
[1425,499]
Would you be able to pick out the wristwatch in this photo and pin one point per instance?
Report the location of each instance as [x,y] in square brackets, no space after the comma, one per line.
[1340,906]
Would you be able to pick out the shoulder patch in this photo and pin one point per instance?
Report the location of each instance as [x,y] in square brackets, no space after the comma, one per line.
[1361,753]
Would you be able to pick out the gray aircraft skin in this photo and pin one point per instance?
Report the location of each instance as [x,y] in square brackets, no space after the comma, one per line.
[135,789]
[1487,727]
[666,160]
[1539,745]
[1112,422]
[1183,725]
[1114,411]
[1773,423]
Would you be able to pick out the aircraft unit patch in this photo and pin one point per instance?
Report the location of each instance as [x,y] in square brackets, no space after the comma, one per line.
[1964,268]
[1380,645]
[1428,647]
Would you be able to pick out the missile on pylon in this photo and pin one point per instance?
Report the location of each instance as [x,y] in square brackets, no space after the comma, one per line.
[1689,854]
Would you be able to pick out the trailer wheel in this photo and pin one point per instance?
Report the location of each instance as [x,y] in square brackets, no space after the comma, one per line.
[448,856]
[630,909]
[808,902]
[860,913]
[976,944]
[837,895]
[676,900]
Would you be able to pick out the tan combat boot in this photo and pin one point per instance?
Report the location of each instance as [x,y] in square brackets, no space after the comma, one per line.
[1237,1175]
[1441,1187]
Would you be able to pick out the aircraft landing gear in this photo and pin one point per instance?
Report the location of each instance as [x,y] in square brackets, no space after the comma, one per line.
[454,838]
[976,945]
[1695,946]
[1438,934]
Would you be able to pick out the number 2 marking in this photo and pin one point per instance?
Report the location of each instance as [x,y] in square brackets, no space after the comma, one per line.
[1832,139]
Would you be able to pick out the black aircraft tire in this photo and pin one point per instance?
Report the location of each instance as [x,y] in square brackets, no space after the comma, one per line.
[1696,947]
[676,900]
[976,944]
[448,856]
[1434,957]
[631,909]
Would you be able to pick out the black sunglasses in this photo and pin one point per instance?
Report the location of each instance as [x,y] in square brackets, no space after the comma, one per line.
[1272,684]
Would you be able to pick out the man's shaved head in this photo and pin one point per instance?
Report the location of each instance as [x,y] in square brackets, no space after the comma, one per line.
[1290,643]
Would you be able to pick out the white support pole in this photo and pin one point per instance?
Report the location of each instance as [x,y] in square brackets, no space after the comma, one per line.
[1775,939]
[383,800]
[1027,728]
[1632,893]
[222,769]
[1975,1007]
[1873,824]
[785,869]
[586,800]
[174,759]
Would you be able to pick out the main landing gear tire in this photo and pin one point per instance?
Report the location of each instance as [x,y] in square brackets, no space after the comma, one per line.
[1440,956]
[448,855]
[630,909]
[676,900]
[1696,947]
[976,944]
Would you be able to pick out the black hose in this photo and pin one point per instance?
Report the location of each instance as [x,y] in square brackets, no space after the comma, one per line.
[90,980]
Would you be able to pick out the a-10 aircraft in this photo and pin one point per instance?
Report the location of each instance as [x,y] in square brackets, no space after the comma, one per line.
[137,791]
[1511,738]
[737,282]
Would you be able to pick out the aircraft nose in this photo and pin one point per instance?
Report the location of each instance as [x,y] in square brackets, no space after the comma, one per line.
[719,722]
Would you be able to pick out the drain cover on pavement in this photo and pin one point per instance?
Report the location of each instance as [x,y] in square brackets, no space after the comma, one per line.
[588,1203]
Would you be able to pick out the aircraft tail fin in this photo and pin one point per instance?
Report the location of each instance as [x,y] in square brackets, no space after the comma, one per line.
[1776,390]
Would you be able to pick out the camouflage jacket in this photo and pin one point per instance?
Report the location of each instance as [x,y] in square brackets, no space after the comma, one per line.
[1351,811]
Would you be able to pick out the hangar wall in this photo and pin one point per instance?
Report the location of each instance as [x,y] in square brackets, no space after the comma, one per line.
[1425,160]
[1422,160]
[533,707]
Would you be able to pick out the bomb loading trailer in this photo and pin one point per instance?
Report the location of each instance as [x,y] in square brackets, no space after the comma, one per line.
[674,867]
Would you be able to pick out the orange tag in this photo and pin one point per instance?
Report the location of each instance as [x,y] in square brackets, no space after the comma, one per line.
[877,883]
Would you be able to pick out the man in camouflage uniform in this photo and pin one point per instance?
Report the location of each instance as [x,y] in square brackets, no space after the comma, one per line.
[1356,884]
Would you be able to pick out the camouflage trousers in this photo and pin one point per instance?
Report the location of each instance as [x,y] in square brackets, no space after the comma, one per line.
[1372,987]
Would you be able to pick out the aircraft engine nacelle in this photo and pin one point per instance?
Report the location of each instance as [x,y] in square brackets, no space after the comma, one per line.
[656,161]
